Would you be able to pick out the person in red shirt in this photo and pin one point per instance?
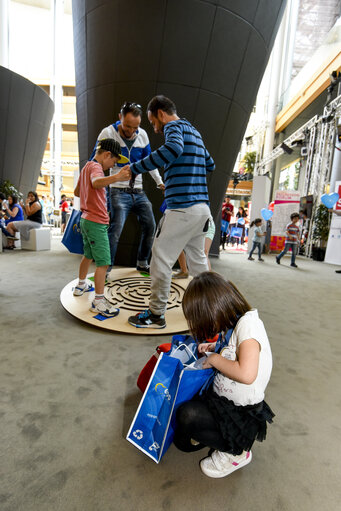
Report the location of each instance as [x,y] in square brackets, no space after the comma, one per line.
[64,206]
[226,214]
[95,220]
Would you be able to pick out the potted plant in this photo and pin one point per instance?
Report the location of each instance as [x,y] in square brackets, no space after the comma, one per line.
[7,188]
[249,162]
[321,224]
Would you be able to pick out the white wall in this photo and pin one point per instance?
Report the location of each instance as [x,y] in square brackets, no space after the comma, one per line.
[30,44]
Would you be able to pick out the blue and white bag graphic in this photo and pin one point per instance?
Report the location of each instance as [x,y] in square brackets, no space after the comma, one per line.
[173,382]
[170,385]
[72,237]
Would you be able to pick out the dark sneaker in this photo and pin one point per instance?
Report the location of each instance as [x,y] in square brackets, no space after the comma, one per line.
[250,259]
[294,265]
[278,261]
[147,319]
[260,259]
[337,271]
[143,269]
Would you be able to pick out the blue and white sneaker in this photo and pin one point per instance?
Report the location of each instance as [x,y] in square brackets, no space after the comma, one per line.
[147,319]
[80,290]
[104,308]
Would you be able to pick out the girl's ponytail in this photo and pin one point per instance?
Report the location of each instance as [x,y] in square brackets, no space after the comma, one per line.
[255,222]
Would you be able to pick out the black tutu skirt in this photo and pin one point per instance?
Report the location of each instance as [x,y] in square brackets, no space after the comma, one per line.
[240,426]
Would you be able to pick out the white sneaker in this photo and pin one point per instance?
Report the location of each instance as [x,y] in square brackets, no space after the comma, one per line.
[80,290]
[104,308]
[221,464]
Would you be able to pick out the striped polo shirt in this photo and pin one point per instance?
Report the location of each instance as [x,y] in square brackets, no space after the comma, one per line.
[186,162]
[292,230]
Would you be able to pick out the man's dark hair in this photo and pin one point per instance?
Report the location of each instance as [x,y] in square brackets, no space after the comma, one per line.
[131,108]
[161,103]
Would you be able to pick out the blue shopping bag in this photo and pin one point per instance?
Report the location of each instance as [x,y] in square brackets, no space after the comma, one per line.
[224,226]
[72,237]
[152,429]
[236,232]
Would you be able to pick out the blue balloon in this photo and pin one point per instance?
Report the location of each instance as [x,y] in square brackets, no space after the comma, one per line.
[241,221]
[266,213]
[329,199]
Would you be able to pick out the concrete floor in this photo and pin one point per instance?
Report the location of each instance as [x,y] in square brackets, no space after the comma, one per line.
[68,394]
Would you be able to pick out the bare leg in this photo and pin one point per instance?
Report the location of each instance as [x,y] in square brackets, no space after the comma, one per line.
[84,268]
[182,262]
[11,229]
[208,243]
[100,279]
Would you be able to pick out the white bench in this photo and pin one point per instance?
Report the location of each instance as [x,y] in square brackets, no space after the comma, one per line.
[40,239]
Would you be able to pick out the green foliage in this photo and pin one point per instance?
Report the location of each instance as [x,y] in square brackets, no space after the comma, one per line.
[7,188]
[249,161]
[321,224]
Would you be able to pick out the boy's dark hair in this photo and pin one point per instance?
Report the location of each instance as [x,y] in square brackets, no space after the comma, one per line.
[36,198]
[294,215]
[161,103]
[256,221]
[63,196]
[131,108]
[2,196]
[212,305]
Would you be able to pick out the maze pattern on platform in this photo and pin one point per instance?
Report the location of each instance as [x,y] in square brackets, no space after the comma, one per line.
[132,293]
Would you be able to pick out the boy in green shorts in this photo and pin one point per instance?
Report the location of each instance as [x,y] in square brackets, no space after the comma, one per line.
[95,220]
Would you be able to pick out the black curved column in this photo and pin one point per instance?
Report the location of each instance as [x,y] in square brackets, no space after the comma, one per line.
[207,56]
[26,112]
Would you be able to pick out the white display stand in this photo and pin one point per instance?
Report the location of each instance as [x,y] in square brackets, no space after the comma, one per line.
[39,239]
[333,252]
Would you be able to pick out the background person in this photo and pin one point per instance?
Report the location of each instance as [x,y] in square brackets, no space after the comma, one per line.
[49,209]
[14,213]
[186,219]
[292,239]
[64,207]
[43,208]
[95,220]
[128,196]
[232,413]
[33,212]
[257,239]
[226,214]
[241,218]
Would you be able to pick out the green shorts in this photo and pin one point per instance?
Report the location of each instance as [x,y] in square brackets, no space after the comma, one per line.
[96,242]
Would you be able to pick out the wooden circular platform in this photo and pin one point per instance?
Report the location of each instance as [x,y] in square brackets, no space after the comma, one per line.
[129,290]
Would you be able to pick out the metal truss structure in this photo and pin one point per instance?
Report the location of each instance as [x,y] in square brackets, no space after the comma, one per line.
[318,136]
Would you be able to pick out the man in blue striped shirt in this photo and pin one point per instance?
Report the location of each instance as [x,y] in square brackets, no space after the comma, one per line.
[186,162]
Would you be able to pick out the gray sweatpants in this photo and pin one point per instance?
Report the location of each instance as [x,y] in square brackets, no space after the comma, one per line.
[179,229]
